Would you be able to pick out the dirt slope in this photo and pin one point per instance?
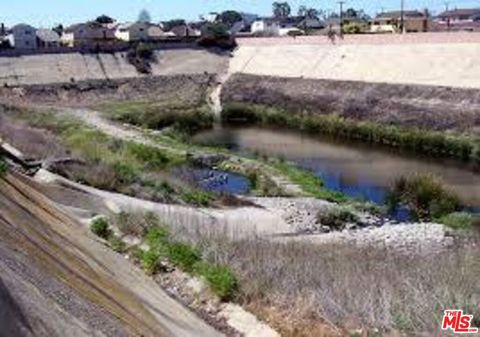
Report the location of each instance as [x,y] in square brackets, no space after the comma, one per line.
[431,107]
[56,280]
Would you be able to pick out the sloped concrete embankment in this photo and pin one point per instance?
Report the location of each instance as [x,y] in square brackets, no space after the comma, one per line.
[431,60]
[62,68]
[59,281]
[431,107]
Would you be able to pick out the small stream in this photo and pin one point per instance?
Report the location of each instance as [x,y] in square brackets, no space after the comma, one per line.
[358,170]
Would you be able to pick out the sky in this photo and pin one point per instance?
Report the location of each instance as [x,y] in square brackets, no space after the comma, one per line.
[46,13]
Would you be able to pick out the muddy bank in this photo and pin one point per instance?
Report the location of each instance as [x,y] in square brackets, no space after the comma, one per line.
[429,107]
[190,88]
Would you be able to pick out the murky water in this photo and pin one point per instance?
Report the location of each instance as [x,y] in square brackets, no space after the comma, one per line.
[357,170]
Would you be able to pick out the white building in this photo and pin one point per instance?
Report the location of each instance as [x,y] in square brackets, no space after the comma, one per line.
[265,26]
[23,36]
[275,26]
[136,31]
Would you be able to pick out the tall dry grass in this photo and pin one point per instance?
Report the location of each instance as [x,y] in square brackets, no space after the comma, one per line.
[346,285]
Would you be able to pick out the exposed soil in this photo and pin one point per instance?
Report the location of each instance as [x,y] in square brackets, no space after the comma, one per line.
[435,108]
[87,93]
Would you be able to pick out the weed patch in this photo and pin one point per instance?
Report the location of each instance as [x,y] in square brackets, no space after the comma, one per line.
[101,228]
[425,196]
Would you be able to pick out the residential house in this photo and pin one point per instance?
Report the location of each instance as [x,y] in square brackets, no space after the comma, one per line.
[155,33]
[391,22]
[311,24]
[131,32]
[90,34]
[47,38]
[459,19]
[185,31]
[22,36]
[276,26]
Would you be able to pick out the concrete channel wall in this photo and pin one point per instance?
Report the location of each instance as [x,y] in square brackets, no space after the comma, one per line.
[449,59]
[58,68]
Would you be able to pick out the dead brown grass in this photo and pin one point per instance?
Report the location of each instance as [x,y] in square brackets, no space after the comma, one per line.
[308,290]
[33,143]
[429,107]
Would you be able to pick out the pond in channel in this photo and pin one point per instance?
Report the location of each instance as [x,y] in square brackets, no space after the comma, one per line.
[358,170]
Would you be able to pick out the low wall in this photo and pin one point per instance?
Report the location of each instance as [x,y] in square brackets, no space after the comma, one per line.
[69,67]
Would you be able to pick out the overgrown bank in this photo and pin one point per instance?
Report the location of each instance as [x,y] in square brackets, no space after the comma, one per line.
[310,290]
[433,143]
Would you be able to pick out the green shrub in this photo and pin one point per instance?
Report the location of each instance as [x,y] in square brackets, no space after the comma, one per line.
[150,260]
[220,279]
[157,237]
[424,195]
[337,217]
[253,179]
[197,198]
[125,173]
[458,220]
[154,157]
[183,255]
[101,228]
[117,244]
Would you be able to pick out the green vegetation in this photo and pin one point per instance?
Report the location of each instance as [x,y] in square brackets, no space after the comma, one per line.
[150,260]
[3,166]
[217,35]
[141,56]
[188,258]
[197,197]
[185,116]
[221,279]
[308,182]
[117,244]
[337,217]
[424,195]
[458,220]
[183,255]
[101,228]
[416,140]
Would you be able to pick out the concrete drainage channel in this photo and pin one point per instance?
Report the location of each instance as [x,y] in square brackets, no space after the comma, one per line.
[238,319]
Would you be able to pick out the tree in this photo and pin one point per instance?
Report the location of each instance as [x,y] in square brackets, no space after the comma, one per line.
[168,25]
[58,29]
[144,16]
[351,13]
[103,19]
[229,18]
[281,9]
[310,13]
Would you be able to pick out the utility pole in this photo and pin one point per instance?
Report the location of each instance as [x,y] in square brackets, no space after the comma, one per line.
[448,18]
[402,16]
[341,2]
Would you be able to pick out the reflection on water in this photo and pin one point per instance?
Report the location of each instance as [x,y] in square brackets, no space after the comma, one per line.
[356,170]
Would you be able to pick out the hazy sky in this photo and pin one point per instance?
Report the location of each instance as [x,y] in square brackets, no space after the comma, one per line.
[44,13]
